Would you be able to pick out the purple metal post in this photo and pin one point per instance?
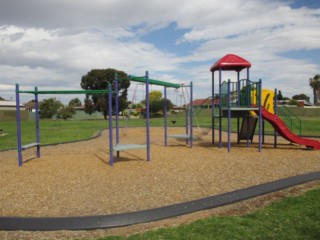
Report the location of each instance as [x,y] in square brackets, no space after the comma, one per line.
[220,111]
[37,122]
[110,124]
[238,88]
[117,110]
[260,114]
[248,93]
[18,119]
[212,108]
[165,117]
[238,104]
[148,115]
[229,117]
[191,114]
[275,112]
[187,122]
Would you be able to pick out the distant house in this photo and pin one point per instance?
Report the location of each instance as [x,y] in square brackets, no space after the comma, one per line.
[204,103]
[302,103]
[8,111]
[30,106]
[10,105]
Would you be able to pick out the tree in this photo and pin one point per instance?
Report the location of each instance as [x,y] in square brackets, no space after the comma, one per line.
[301,97]
[49,107]
[75,102]
[279,95]
[98,79]
[2,99]
[88,106]
[156,102]
[314,83]
[155,96]
[66,112]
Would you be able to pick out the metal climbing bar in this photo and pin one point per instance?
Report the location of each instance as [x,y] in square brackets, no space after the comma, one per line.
[65,91]
[153,82]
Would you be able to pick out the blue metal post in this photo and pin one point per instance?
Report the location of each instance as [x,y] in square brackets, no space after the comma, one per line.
[229,117]
[191,114]
[18,119]
[117,110]
[110,124]
[220,111]
[260,114]
[212,109]
[37,121]
[148,115]
[165,117]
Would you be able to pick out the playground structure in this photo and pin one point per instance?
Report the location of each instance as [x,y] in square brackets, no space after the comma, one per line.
[147,81]
[242,99]
[247,100]
[118,146]
[236,98]
[168,173]
[36,92]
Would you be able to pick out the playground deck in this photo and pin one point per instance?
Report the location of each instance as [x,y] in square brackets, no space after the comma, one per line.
[75,179]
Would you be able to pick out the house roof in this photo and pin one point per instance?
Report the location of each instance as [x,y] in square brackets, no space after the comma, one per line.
[204,101]
[6,103]
[30,105]
[231,62]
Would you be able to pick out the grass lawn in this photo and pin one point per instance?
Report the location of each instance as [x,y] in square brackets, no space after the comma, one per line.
[56,131]
[290,218]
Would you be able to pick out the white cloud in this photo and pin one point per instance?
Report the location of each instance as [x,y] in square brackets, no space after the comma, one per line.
[53,43]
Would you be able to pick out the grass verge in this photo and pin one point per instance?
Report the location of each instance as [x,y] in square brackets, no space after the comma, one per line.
[291,218]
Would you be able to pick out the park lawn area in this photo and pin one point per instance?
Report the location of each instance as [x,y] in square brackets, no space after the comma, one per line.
[58,131]
[291,218]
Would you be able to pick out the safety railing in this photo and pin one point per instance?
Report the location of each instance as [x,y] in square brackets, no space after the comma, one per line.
[291,119]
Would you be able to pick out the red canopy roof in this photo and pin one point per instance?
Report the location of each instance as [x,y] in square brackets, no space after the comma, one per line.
[231,62]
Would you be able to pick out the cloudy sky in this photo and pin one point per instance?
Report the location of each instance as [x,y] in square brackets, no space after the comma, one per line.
[52,44]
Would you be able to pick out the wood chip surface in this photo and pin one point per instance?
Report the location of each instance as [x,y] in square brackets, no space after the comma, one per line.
[76,180]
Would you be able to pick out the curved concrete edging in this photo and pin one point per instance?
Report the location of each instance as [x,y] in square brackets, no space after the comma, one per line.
[98,134]
[124,219]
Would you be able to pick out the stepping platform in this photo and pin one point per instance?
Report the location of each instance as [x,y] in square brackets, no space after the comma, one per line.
[184,136]
[30,145]
[124,147]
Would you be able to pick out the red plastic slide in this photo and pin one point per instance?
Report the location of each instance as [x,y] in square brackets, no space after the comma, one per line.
[283,130]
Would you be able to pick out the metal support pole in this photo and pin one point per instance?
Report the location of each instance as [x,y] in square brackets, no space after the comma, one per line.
[191,114]
[212,109]
[187,121]
[18,119]
[276,113]
[148,115]
[116,86]
[110,124]
[238,88]
[37,122]
[220,111]
[260,114]
[165,117]
[229,117]
[248,93]
[238,104]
